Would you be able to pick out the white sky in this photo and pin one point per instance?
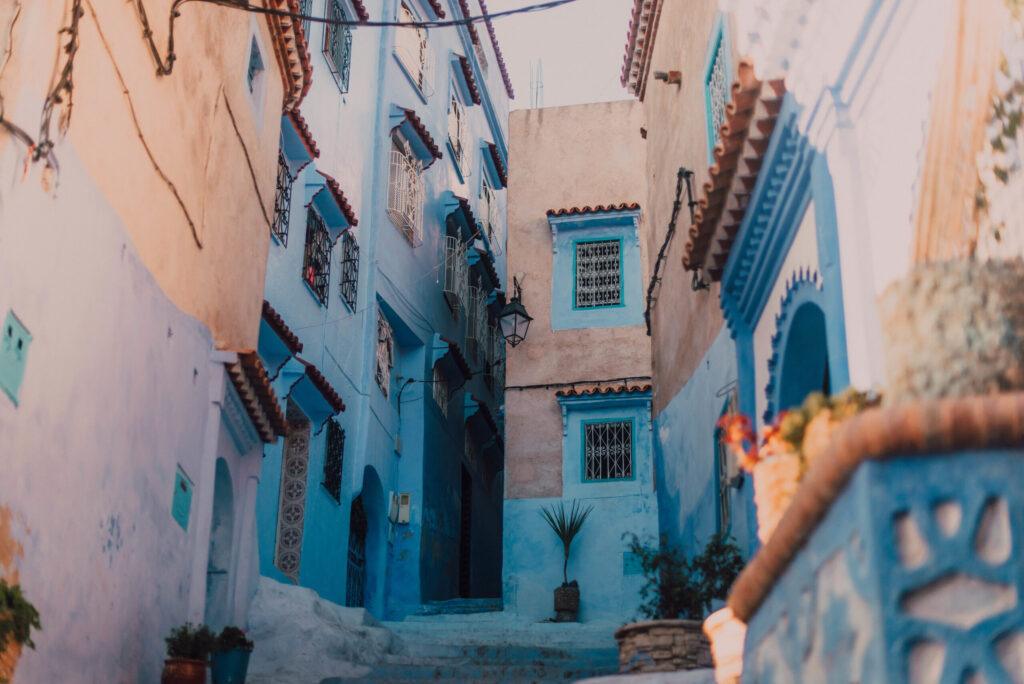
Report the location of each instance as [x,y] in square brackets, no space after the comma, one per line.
[580,44]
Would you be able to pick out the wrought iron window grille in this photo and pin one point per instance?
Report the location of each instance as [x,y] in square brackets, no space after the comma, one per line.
[385,354]
[608,450]
[306,9]
[490,206]
[456,273]
[717,87]
[338,45]
[334,458]
[282,200]
[724,482]
[598,274]
[405,193]
[476,320]
[441,391]
[457,132]
[481,56]
[316,261]
[411,47]
[349,270]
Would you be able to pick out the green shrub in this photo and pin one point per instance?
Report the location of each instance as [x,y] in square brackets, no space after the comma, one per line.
[18,617]
[190,642]
[232,638]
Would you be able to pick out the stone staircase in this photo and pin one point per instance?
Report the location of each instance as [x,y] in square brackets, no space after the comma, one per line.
[473,641]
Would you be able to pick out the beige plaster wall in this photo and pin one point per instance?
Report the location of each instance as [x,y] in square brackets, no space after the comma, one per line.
[558,158]
[206,135]
[684,322]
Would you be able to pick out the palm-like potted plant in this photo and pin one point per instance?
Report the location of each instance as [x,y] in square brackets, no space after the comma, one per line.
[188,654]
[231,656]
[566,524]
[18,617]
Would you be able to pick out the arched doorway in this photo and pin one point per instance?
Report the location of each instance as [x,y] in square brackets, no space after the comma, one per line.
[218,564]
[805,366]
[355,590]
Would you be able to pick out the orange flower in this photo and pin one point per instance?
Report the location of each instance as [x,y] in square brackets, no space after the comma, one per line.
[738,436]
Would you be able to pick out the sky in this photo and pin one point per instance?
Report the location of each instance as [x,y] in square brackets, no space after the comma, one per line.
[581,46]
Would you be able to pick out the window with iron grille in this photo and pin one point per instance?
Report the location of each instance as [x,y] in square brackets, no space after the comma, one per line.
[456,271]
[282,200]
[608,450]
[255,65]
[306,10]
[411,47]
[489,202]
[385,353]
[316,262]
[405,192]
[598,273]
[457,131]
[349,270]
[441,392]
[474,311]
[481,56]
[716,88]
[338,45]
[334,458]
[722,468]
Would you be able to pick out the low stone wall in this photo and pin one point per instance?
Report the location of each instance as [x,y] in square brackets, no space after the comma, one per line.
[663,646]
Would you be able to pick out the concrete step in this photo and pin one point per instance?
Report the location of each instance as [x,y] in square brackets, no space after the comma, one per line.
[500,653]
[460,607]
[457,672]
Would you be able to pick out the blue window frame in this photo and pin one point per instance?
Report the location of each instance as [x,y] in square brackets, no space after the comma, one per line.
[717,72]
[607,449]
[597,273]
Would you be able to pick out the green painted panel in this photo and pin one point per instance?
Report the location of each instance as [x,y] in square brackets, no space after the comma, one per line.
[181,504]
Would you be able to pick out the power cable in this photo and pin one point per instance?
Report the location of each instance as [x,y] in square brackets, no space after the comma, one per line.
[683,175]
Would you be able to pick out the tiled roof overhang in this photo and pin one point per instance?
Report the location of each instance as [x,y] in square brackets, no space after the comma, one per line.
[474,36]
[250,380]
[277,324]
[305,135]
[643,28]
[598,209]
[340,199]
[323,386]
[438,9]
[453,204]
[467,73]
[419,129]
[598,391]
[361,10]
[499,165]
[483,259]
[458,358]
[292,51]
[743,141]
[497,51]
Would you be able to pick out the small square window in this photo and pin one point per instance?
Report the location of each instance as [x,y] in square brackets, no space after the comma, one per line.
[608,450]
[598,273]
[255,66]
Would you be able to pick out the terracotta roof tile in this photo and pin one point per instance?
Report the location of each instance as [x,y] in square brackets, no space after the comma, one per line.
[323,386]
[458,357]
[750,118]
[303,128]
[277,324]
[487,263]
[600,208]
[467,211]
[421,130]
[918,428]
[596,391]
[340,198]
[497,51]
[464,6]
[438,9]
[292,52]
[640,36]
[361,11]
[467,72]
[250,380]
[498,164]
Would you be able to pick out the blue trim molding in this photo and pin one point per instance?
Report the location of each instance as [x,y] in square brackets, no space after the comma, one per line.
[566,232]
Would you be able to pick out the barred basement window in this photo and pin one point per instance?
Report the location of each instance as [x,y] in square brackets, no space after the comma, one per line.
[282,200]
[349,270]
[717,92]
[334,457]
[598,274]
[338,45]
[441,392]
[385,353]
[405,192]
[608,450]
[316,262]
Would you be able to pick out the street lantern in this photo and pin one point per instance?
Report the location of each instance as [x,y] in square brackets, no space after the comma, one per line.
[515,322]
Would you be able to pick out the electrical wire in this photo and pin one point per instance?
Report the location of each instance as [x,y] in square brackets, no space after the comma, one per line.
[683,175]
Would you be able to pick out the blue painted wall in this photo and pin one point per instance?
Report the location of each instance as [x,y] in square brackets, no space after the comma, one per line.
[413,562]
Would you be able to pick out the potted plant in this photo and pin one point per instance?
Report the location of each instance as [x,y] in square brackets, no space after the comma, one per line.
[18,617]
[676,594]
[231,656]
[188,654]
[566,524]
[789,446]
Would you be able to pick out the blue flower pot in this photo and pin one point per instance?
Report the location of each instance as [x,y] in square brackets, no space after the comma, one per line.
[229,667]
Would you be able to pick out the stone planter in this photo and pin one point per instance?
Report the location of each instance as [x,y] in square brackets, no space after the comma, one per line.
[954,329]
[567,604]
[183,671]
[662,646]
[727,635]
[776,479]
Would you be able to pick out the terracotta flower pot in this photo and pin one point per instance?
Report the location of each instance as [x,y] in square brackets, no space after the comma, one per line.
[954,329]
[776,479]
[727,635]
[183,671]
[567,604]
[662,646]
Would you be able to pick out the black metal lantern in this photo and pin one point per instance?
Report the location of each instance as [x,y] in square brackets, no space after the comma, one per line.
[515,322]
